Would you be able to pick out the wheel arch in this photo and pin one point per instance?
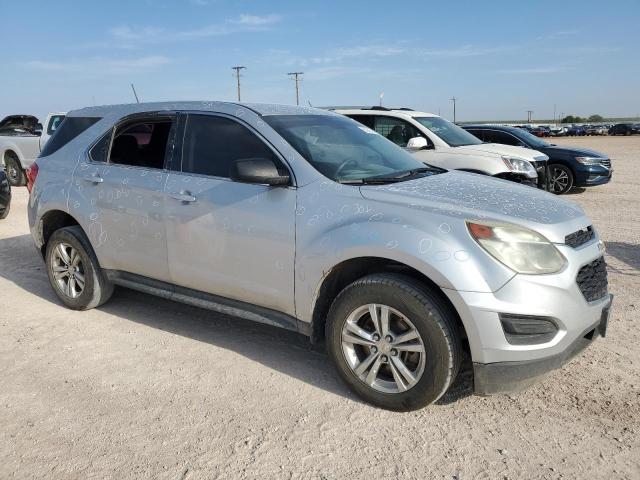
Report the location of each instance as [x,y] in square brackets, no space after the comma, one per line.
[348,271]
[50,222]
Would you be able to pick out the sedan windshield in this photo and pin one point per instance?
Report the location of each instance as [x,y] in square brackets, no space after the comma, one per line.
[344,150]
[530,139]
[452,134]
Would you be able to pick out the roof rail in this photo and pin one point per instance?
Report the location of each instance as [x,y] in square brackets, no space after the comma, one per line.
[360,107]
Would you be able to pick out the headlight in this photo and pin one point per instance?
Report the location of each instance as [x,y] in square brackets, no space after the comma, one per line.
[589,160]
[519,248]
[519,165]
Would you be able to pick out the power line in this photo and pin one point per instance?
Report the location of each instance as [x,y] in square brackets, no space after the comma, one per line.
[237,69]
[453,99]
[296,77]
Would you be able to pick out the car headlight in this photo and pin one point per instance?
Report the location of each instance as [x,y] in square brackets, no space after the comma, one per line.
[519,165]
[520,249]
[589,160]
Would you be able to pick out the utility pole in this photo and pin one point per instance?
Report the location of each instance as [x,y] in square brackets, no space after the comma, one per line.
[296,77]
[554,113]
[453,99]
[529,113]
[134,93]
[237,69]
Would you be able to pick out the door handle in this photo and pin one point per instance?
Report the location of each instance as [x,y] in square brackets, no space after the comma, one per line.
[93,179]
[185,197]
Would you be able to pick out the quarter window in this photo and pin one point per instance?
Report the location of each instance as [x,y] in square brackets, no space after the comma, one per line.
[69,129]
[100,151]
[213,144]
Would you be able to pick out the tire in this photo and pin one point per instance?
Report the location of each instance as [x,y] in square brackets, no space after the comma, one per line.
[13,169]
[431,323]
[561,179]
[95,289]
[5,213]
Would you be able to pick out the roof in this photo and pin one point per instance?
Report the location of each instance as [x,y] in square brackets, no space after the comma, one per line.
[205,106]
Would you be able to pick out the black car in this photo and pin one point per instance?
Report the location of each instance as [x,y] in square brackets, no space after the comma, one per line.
[624,129]
[5,195]
[568,167]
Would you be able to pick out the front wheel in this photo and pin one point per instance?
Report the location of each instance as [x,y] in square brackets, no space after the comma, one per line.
[15,174]
[560,179]
[393,341]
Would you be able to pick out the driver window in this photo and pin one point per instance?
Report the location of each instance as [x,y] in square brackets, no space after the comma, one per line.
[396,130]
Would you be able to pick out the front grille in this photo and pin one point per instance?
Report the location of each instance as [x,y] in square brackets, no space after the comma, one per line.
[606,162]
[592,280]
[580,237]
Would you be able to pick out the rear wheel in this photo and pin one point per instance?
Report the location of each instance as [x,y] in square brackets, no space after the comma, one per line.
[15,174]
[560,179]
[393,342]
[74,271]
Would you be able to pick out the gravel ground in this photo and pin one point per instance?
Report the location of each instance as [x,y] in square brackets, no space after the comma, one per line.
[145,388]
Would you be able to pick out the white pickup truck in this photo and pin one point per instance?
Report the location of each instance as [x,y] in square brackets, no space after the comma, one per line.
[22,138]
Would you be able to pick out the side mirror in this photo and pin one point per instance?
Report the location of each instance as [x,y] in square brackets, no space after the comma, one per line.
[417,143]
[38,129]
[258,170]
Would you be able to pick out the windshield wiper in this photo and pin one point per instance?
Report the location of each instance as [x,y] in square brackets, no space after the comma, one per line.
[399,177]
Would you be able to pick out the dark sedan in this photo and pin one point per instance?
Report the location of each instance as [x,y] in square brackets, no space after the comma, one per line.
[5,195]
[568,167]
[624,129]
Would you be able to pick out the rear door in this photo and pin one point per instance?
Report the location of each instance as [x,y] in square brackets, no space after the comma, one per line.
[125,180]
[232,239]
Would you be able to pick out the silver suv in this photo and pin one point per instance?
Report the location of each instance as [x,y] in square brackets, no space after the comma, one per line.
[308,220]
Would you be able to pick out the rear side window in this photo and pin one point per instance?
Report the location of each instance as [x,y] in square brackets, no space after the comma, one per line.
[396,130]
[476,133]
[212,145]
[69,129]
[495,136]
[142,143]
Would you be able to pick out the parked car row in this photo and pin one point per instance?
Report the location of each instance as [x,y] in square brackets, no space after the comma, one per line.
[582,130]
[308,220]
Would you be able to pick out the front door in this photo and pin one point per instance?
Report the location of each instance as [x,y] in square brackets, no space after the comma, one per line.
[232,239]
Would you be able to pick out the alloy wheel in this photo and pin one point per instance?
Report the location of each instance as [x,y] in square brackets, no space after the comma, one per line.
[559,180]
[383,348]
[68,271]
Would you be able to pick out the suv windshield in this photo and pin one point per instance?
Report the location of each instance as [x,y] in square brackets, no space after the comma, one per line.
[342,149]
[452,134]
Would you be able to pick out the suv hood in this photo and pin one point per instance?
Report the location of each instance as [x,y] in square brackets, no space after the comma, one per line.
[498,149]
[471,196]
[555,150]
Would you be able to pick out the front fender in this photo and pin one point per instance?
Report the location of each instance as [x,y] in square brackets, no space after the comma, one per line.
[347,226]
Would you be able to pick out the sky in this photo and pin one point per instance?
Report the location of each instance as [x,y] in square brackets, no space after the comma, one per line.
[498,58]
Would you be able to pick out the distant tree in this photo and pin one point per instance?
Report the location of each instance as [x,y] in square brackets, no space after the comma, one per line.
[596,118]
[572,119]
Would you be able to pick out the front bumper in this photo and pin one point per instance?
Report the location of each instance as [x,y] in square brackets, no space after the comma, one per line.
[589,176]
[556,296]
[506,377]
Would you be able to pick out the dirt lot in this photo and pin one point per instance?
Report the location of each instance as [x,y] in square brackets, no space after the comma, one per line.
[145,388]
